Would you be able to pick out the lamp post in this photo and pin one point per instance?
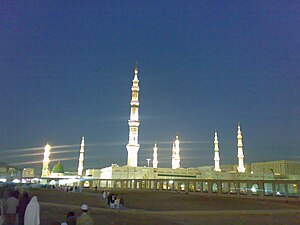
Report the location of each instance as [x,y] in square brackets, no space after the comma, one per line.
[148,160]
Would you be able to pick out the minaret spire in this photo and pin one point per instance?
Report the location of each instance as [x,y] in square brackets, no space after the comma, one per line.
[217,156]
[241,168]
[46,161]
[175,154]
[154,161]
[134,122]
[81,157]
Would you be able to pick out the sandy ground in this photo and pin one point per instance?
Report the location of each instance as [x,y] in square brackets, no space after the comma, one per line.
[167,208]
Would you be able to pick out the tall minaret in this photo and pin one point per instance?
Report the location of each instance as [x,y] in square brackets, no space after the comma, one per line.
[46,161]
[81,157]
[241,168]
[134,122]
[175,154]
[154,161]
[217,156]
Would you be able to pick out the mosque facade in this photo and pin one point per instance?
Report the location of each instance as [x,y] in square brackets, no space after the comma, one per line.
[241,171]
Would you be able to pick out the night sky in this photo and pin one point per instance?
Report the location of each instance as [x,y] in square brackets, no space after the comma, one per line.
[66,69]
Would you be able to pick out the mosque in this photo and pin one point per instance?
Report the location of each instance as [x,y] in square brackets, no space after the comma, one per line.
[281,169]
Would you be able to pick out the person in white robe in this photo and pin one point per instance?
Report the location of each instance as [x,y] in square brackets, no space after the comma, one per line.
[32,213]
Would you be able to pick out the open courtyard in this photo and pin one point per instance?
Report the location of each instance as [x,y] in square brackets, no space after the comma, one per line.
[149,208]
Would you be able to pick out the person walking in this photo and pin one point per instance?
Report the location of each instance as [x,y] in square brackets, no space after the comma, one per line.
[85,218]
[23,202]
[11,205]
[32,212]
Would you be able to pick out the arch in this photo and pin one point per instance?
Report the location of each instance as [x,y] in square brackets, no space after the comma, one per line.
[170,185]
[254,189]
[165,185]
[225,187]
[118,184]
[214,188]
[233,187]
[182,186]
[86,184]
[205,186]
[198,186]
[243,188]
[158,185]
[52,182]
[191,186]
[280,189]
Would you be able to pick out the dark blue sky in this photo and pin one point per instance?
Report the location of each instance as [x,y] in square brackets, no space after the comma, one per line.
[66,69]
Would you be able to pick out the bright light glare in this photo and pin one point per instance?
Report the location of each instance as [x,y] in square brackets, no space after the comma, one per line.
[24,155]
[40,153]
[24,149]
[65,146]
[253,189]
[64,151]
[41,148]
[47,148]
[68,181]
[40,161]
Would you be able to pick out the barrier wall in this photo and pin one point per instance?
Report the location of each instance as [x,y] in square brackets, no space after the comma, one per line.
[270,189]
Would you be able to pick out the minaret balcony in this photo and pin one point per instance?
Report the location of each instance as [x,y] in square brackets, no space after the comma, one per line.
[135,88]
[134,103]
[133,123]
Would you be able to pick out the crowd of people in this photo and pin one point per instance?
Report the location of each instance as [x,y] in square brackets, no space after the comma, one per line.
[19,209]
[114,201]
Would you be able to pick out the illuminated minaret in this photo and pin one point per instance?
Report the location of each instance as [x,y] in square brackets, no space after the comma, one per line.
[175,154]
[81,157]
[46,161]
[240,155]
[133,145]
[217,156]
[154,161]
